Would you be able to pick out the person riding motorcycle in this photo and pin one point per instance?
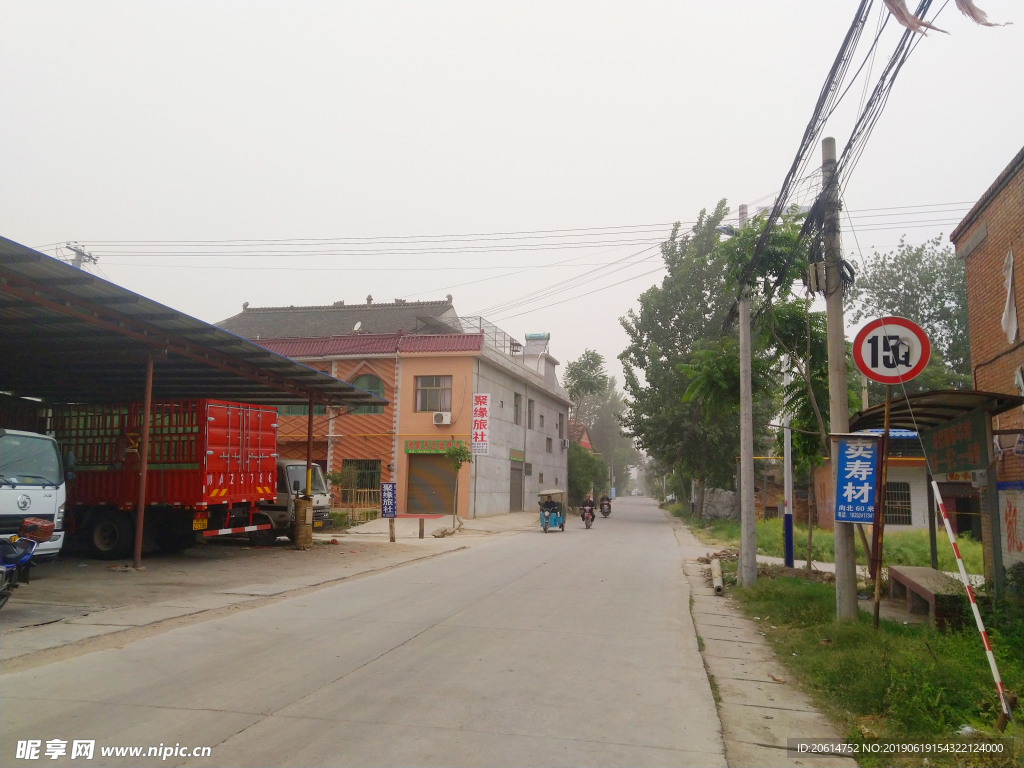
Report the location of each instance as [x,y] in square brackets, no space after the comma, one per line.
[604,498]
[588,506]
[550,506]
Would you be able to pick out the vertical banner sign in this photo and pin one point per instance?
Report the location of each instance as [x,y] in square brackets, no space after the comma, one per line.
[479,442]
[855,479]
[388,507]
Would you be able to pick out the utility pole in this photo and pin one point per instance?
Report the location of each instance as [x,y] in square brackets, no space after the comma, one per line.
[748,521]
[838,402]
[81,255]
[787,470]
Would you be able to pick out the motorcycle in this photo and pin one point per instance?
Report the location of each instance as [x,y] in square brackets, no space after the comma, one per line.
[606,508]
[16,554]
[15,557]
[588,517]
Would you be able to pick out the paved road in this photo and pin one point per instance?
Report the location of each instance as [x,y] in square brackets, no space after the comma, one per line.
[572,648]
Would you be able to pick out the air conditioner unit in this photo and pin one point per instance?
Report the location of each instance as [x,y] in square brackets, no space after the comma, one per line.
[565,443]
[442,417]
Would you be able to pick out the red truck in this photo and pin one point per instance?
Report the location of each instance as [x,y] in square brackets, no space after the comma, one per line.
[210,463]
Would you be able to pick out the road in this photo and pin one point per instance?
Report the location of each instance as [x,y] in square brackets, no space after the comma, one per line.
[572,648]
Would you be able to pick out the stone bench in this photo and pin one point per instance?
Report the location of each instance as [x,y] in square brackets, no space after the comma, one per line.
[928,591]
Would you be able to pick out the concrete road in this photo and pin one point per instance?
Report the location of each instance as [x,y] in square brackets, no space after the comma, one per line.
[572,648]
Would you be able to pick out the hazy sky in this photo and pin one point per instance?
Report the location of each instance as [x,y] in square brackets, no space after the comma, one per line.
[213,121]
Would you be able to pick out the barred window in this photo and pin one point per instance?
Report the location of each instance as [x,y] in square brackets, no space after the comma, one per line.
[897,504]
[373,385]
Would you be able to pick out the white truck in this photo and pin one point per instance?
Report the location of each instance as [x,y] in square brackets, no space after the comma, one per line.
[291,481]
[32,484]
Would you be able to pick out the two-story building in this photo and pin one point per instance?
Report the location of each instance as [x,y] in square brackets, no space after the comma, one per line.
[428,363]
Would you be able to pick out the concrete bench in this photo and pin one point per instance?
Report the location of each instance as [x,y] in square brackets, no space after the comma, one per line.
[928,591]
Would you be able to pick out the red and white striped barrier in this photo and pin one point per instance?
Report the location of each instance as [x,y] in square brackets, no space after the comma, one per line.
[243,529]
[974,605]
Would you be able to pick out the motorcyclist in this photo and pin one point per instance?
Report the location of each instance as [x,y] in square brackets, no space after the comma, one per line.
[549,506]
[588,506]
[604,498]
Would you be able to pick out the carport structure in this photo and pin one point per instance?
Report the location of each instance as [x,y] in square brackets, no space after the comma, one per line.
[71,337]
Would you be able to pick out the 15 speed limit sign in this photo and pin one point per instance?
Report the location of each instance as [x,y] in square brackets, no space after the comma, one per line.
[891,350]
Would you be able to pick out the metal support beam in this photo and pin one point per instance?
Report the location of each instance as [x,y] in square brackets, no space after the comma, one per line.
[147,404]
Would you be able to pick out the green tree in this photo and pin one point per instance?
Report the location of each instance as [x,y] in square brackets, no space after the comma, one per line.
[586,381]
[927,284]
[586,472]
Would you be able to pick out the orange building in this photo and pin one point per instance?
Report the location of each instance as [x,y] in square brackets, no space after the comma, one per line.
[429,379]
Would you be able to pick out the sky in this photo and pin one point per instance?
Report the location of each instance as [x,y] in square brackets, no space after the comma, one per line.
[524,157]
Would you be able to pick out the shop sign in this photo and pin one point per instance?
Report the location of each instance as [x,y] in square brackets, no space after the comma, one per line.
[958,445]
[515,455]
[479,435]
[855,479]
[387,500]
[430,446]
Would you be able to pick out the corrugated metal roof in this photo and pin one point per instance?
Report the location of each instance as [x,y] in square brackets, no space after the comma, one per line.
[375,344]
[929,409]
[70,336]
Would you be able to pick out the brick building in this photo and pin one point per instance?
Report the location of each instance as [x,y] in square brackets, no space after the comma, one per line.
[990,241]
[427,362]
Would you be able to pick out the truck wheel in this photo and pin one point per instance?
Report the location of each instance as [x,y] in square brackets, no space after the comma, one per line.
[110,535]
[264,538]
[175,541]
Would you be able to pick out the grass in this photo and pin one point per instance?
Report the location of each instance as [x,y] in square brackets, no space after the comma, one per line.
[906,682]
[899,547]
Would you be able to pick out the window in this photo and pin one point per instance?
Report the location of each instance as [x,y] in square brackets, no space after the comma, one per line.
[527,469]
[529,414]
[433,393]
[540,477]
[301,410]
[897,504]
[547,445]
[561,426]
[517,409]
[371,384]
[359,475]
[542,421]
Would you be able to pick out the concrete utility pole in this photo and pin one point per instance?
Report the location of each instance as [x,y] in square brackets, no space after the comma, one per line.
[838,403]
[787,471]
[748,527]
[81,255]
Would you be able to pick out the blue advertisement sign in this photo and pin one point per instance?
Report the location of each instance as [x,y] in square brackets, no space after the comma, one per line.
[855,479]
[612,494]
[388,508]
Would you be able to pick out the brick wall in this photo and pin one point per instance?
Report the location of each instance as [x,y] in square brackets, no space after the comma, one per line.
[994,227]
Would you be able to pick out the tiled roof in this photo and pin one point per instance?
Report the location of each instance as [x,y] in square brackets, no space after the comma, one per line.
[332,319]
[374,344]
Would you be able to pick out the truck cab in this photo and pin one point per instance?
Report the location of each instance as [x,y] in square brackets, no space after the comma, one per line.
[32,484]
[281,513]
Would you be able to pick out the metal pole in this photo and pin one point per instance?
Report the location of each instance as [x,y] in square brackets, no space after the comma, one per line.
[309,451]
[787,471]
[147,404]
[879,527]
[838,404]
[932,541]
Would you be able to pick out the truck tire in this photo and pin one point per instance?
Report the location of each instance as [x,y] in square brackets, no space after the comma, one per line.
[110,535]
[175,541]
[264,538]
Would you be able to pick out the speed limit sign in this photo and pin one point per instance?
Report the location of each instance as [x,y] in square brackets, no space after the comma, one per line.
[891,350]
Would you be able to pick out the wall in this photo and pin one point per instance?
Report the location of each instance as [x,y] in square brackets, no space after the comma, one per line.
[413,425]
[491,472]
[366,435]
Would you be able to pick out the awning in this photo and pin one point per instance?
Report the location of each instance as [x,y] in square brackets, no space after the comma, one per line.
[929,409]
[70,336]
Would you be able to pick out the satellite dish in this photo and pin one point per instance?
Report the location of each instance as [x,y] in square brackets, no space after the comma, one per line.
[358,326]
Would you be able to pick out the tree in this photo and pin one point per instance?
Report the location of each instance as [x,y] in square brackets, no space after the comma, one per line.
[926,284]
[586,472]
[585,379]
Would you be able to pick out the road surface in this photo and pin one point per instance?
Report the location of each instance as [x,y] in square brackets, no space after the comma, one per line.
[572,648]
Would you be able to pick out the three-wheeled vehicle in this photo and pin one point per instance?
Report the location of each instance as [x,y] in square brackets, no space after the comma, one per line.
[552,514]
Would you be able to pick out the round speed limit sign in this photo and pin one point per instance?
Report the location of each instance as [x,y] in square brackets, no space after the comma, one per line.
[891,350]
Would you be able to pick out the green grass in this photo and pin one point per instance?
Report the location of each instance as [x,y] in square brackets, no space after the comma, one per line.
[899,547]
[340,520]
[918,683]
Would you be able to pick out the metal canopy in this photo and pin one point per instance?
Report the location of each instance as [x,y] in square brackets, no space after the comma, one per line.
[70,336]
[930,409]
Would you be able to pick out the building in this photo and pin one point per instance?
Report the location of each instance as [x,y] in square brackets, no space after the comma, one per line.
[429,364]
[990,241]
[579,434]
